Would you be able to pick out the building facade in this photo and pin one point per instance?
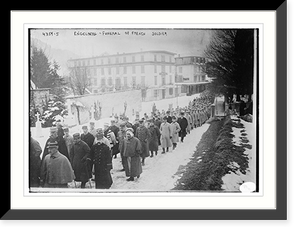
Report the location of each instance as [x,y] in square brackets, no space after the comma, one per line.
[190,76]
[153,72]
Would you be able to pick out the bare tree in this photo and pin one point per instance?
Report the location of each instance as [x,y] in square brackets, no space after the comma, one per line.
[78,80]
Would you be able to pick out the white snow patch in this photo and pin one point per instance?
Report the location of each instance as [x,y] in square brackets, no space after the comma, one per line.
[233,181]
[159,171]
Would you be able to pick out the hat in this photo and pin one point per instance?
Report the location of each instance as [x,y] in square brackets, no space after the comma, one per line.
[92,123]
[53,129]
[122,125]
[52,144]
[76,135]
[130,129]
[66,129]
[84,127]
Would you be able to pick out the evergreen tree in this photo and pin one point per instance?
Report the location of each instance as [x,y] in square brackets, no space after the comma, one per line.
[230,61]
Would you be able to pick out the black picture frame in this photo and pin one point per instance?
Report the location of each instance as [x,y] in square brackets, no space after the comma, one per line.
[280,213]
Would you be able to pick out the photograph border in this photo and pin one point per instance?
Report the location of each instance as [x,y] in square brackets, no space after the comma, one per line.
[280,213]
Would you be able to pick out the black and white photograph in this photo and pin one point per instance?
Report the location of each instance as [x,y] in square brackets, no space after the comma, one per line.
[132,110]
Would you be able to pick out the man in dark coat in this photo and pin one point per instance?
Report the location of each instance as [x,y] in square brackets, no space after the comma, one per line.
[115,129]
[62,147]
[183,123]
[100,157]
[154,138]
[87,137]
[34,163]
[78,155]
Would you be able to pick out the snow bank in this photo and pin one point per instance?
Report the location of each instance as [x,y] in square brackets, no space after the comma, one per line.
[232,181]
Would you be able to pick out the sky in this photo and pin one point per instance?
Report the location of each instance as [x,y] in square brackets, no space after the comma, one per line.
[94,42]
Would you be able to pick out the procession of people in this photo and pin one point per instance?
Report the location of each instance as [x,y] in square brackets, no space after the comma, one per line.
[88,156]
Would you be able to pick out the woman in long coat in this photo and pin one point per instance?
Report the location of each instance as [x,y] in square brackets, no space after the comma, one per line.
[175,129]
[132,149]
[154,138]
[101,158]
[165,131]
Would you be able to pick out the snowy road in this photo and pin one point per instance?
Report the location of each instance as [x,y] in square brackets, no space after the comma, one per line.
[159,171]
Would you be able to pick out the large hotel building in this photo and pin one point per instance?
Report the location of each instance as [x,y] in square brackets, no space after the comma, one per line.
[158,74]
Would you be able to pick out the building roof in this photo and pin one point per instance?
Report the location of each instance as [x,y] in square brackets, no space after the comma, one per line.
[122,54]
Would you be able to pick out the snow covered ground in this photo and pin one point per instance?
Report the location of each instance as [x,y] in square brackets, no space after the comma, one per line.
[232,181]
[159,171]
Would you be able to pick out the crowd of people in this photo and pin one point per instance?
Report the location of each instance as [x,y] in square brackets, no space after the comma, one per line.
[88,156]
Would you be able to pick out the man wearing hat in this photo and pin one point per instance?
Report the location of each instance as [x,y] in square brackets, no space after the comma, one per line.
[62,147]
[78,155]
[100,157]
[183,123]
[115,129]
[92,129]
[142,133]
[87,137]
[121,138]
[56,170]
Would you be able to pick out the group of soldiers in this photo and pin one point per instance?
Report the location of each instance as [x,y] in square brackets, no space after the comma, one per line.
[89,155]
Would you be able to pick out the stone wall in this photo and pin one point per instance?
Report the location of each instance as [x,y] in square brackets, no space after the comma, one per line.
[109,103]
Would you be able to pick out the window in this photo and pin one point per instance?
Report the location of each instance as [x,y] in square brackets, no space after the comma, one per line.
[163,69]
[109,70]
[155,69]
[108,60]
[170,91]
[124,59]
[102,71]
[118,83]
[125,81]
[170,59]
[163,80]
[125,70]
[142,69]
[180,69]
[117,60]
[155,57]
[110,81]
[133,81]
[143,80]
[163,58]
[155,80]
[117,69]
[95,82]
[142,57]
[170,77]
[103,82]
[101,61]
[155,93]
[170,69]
[133,69]
[133,58]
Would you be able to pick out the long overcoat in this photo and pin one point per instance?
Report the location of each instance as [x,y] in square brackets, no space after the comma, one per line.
[154,138]
[132,149]
[34,163]
[100,157]
[56,169]
[79,152]
[165,131]
[183,123]
[142,133]
[88,139]
[175,129]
